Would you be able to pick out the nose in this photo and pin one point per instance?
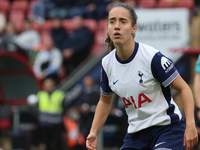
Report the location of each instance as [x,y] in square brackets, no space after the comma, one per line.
[117,25]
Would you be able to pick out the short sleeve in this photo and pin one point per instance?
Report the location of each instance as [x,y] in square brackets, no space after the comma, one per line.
[197,67]
[104,84]
[163,69]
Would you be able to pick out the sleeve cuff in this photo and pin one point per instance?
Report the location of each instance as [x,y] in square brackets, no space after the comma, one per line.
[105,93]
[170,79]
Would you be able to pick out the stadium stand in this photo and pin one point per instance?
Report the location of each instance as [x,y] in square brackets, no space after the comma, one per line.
[186,4]
[148,3]
[17,17]
[166,4]
[20,5]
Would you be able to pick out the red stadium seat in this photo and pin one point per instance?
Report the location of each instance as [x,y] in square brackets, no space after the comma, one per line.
[17,17]
[100,37]
[102,24]
[47,25]
[147,3]
[20,5]
[166,4]
[4,5]
[186,4]
[91,24]
[68,25]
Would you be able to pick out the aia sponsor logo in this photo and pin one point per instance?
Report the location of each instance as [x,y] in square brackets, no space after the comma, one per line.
[142,98]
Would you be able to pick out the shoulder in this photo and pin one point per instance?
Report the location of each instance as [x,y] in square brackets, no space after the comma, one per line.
[146,52]
[108,57]
[149,50]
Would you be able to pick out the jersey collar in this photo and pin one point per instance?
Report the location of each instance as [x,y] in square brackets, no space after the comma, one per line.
[130,58]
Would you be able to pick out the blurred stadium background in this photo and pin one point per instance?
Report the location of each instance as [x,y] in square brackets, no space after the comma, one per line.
[172,26]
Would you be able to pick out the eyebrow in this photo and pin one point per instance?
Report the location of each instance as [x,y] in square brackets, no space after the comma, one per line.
[114,18]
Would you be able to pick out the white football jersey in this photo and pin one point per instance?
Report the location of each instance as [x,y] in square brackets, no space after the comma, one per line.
[142,81]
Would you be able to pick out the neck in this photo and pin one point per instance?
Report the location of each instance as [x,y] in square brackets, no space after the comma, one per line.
[126,50]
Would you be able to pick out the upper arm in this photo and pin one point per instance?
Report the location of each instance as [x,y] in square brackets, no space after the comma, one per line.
[163,69]
[179,84]
[104,84]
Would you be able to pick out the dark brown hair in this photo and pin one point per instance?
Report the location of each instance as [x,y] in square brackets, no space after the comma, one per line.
[133,19]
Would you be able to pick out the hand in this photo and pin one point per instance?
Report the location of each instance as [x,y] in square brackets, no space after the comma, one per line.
[91,142]
[190,137]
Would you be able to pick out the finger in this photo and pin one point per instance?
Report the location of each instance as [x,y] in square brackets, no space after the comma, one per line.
[89,147]
[195,141]
[188,144]
[89,137]
[184,143]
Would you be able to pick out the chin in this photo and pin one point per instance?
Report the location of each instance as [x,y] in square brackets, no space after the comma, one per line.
[117,42]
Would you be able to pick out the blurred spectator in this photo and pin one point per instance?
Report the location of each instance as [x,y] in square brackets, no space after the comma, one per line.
[87,104]
[28,38]
[132,3]
[62,9]
[51,111]
[58,33]
[90,9]
[2,22]
[78,45]
[80,8]
[45,9]
[9,37]
[197,97]
[111,4]
[40,9]
[82,112]
[99,7]
[48,61]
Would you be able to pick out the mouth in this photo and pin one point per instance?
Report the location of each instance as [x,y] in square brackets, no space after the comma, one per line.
[117,35]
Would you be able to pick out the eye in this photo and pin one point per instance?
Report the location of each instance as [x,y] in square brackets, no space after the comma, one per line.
[123,21]
[111,22]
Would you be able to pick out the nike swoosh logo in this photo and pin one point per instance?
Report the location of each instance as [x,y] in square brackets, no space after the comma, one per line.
[115,82]
[159,144]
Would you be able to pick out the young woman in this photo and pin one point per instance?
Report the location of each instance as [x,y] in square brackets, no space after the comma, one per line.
[142,77]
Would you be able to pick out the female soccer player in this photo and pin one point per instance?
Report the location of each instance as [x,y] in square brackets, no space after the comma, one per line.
[142,77]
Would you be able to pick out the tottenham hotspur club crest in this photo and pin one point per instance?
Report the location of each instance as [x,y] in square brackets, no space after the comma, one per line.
[140,74]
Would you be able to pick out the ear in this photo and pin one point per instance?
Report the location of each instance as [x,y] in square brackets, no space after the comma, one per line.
[134,28]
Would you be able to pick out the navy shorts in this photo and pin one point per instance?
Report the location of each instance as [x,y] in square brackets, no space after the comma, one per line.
[169,137]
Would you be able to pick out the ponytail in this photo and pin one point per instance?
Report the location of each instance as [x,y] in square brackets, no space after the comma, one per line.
[110,43]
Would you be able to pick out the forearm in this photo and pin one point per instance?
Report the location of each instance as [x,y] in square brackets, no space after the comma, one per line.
[188,105]
[187,98]
[101,114]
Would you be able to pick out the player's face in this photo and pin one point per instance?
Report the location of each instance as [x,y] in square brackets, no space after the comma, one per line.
[120,27]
